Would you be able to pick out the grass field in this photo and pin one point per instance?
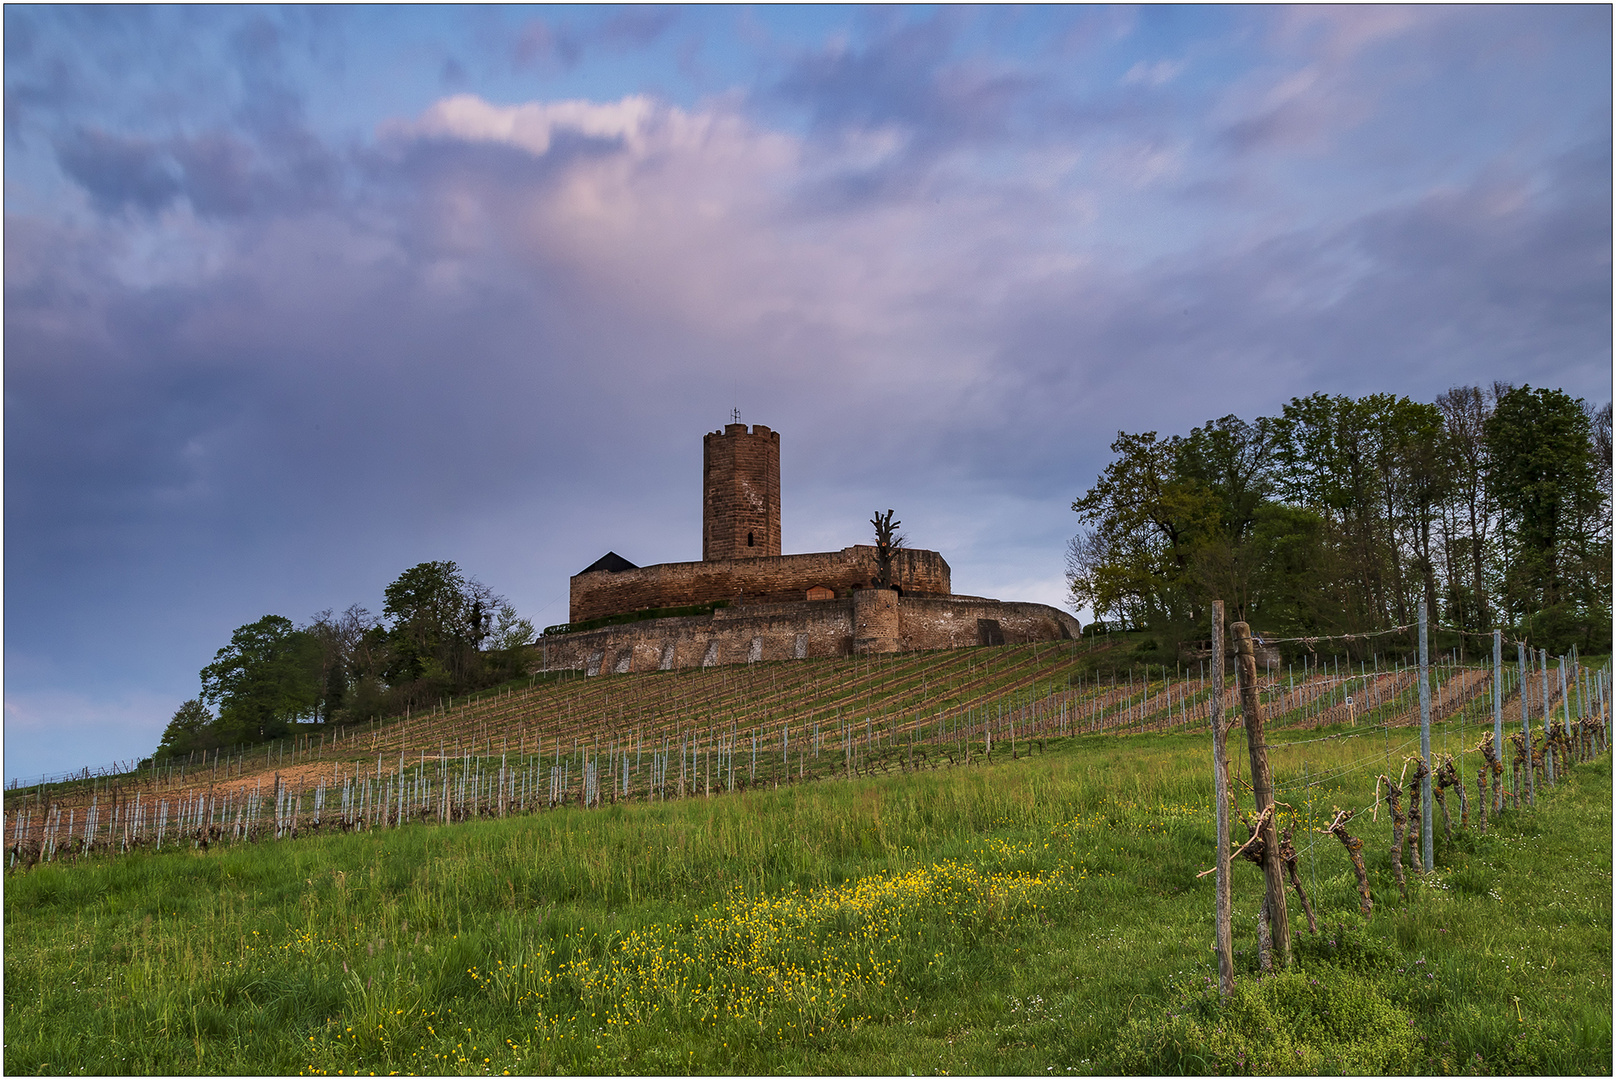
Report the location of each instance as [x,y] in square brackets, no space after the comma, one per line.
[1038,915]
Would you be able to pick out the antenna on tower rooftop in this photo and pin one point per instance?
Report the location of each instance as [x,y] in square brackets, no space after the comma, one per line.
[735,416]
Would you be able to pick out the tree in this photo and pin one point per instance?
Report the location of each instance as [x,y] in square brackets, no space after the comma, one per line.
[1234,461]
[429,635]
[1342,513]
[267,677]
[1464,414]
[1419,467]
[1544,477]
[887,544]
[1143,522]
[191,729]
[439,622]
[1327,455]
[352,659]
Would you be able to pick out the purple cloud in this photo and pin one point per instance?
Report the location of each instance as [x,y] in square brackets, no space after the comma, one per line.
[266,348]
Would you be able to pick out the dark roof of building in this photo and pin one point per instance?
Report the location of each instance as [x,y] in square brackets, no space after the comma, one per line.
[611,562]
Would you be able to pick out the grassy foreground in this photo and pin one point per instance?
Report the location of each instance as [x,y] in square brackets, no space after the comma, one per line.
[1032,916]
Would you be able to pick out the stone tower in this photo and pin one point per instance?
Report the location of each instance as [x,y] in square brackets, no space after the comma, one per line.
[740,487]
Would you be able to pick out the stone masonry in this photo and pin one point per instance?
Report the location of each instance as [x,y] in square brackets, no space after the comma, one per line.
[872,621]
[740,487]
[756,580]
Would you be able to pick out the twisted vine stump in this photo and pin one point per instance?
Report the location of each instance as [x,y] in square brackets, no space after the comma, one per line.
[1265,939]
[1254,850]
[1442,804]
[1446,776]
[1517,765]
[1287,855]
[1354,846]
[1394,798]
[1490,765]
[1421,771]
[1483,796]
[1464,800]
[1262,792]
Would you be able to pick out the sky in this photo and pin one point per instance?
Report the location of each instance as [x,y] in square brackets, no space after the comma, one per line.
[296,298]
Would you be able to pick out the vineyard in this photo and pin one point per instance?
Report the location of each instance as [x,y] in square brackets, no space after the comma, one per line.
[985,862]
[561,741]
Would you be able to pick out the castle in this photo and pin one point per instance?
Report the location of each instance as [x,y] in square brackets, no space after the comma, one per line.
[745,601]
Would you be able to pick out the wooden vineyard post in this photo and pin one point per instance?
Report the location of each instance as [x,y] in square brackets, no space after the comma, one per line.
[1262,793]
[1220,784]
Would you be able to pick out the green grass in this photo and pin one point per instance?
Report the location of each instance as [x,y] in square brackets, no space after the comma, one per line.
[1032,916]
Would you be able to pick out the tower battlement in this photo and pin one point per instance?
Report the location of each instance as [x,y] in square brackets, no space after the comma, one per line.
[740,515]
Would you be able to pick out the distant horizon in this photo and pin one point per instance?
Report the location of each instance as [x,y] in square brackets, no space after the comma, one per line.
[298,298]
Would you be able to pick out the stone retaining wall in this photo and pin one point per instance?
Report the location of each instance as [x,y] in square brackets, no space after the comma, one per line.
[872,620]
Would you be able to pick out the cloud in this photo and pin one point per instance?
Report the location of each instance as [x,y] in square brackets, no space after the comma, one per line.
[1328,76]
[120,172]
[218,173]
[907,91]
[637,27]
[255,364]
[539,44]
[1159,73]
[533,125]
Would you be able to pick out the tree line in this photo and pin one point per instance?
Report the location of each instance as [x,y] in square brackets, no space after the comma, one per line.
[1341,513]
[440,633]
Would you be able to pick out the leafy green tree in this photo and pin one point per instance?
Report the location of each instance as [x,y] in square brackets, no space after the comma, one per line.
[1144,519]
[1420,478]
[191,729]
[439,622]
[1547,483]
[266,678]
[1472,530]
[349,654]
[1233,460]
[429,633]
[1342,513]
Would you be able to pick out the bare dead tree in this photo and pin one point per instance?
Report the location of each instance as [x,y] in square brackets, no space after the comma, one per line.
[887,544]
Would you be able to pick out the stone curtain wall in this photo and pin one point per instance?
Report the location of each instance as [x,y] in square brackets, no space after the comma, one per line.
[803,629]
[740,479]
[779,579]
